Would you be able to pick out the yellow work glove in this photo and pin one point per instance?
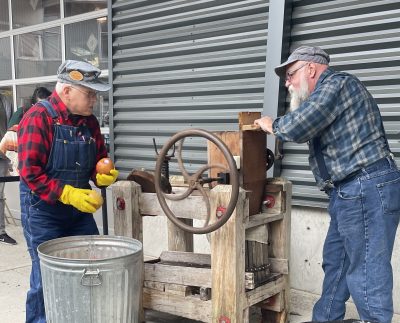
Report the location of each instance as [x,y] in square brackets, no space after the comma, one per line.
[107,179]
[84,200]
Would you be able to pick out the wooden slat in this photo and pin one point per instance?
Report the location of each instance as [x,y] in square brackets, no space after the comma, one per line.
[275,303]
[251,127]
[178,239]
[263,218]
[169,288]
[264,291]
[191,307]
[190,276]
[192,207]
[181,275]
[279,266]
[200,259]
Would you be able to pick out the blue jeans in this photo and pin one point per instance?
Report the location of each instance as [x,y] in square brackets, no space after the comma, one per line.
[42,222]
[365,212]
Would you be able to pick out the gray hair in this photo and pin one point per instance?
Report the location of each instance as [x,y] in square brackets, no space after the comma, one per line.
[60,86]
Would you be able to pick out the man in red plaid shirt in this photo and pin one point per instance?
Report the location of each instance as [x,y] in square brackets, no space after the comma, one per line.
[59,144]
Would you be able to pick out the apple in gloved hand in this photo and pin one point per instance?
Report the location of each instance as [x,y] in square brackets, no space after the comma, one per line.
[106,172]
[104,166]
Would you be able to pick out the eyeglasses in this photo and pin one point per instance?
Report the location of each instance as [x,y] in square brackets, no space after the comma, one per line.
[290,74]
[89,93]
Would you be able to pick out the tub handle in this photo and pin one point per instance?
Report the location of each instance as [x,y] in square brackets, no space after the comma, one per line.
[91,277]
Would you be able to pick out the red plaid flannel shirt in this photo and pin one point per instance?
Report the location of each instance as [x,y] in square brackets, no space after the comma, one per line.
[35,138]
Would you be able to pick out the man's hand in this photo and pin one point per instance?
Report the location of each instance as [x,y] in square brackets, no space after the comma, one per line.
[84,200]
[106,179]
[9,142]
[265,123]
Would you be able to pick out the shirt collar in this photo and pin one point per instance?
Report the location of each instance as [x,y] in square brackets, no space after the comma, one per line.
[61,107]
[324,75]
[64,112]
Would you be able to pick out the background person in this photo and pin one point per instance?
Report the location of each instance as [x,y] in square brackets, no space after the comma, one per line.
[9,144]
[5,114]
[40,93]
[59,144]
[351,160]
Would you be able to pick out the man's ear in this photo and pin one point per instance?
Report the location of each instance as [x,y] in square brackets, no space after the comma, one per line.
[312,70]
[66,91]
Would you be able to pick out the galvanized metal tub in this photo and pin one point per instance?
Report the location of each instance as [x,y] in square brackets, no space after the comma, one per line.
[92,279]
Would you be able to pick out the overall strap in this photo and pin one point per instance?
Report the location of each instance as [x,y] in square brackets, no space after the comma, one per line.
[385,137]
[323,171]
[49,108]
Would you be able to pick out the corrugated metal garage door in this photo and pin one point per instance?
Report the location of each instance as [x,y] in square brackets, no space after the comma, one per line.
[180,64]
[362,38]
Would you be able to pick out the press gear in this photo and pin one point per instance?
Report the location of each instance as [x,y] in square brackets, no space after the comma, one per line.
[107,179]
[81,199]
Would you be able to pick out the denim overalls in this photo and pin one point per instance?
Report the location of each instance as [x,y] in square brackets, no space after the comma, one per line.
[72,159]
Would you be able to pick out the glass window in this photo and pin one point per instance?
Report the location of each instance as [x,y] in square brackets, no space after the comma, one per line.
[5,59]
[25,92]
[76,7]
[37,53]
[87,41]
[32,12]
[4,21]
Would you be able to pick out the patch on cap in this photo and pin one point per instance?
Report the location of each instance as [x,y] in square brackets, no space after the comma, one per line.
[76,75]
[81,73]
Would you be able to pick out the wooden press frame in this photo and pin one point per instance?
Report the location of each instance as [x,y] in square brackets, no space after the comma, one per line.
[169,288]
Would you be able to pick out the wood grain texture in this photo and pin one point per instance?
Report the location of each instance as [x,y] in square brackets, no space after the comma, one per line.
[228,260]
[127,220]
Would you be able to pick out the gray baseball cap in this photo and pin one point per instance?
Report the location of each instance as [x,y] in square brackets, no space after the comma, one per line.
[304,53]
[81,73]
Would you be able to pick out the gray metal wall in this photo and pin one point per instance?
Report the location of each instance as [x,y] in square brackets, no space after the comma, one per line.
[180,64]
[362,37]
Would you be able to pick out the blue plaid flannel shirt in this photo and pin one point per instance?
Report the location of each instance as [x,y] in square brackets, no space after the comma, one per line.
[343,113]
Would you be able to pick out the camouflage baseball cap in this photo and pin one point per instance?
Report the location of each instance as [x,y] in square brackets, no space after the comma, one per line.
[81,73]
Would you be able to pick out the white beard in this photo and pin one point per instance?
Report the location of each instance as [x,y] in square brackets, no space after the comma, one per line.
[298,97]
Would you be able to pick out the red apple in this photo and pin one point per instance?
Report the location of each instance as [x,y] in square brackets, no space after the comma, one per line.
[104,166]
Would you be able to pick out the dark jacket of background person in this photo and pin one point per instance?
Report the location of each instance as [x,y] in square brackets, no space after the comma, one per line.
[40,93]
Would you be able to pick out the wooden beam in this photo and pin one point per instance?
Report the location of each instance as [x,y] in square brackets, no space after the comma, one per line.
[192,207]
[264,291]
[251,127]
[280,244]
[247,118]
[190,276]
[262,218]
[191,258]
[127,218]
[178,239]
[228,259]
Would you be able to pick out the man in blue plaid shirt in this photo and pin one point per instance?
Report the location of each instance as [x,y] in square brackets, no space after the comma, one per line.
[351,160]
